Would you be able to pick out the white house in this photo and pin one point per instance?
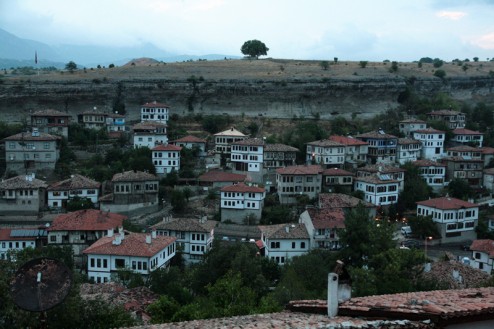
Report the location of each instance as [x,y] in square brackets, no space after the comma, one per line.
[247,157]
[467,136]
[75,186]
[284,241]
[191,142]
[382,146]
[139,252]
[453,119]
[241,201]
[166,158]
[322,226]
[22,195]
[149,134]
[194,235]
[293,181]
[379,189]
[386,171]
[408,126]
[325,152]
[408,150]
[432,142]
[455,219]
[115,124]
[17,239]
[432,172]
[155,111]
[222,140]
[483,255]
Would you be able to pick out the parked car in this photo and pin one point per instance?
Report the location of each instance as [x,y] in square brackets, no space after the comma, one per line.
[411,244]
[406,230]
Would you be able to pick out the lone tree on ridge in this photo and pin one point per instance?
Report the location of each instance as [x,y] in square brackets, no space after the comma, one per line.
[254,48]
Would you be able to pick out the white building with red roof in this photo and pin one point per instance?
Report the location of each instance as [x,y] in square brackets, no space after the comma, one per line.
[139,252]
[467,136]
[355,150]
[322,226]
[408,150]
[294,181]
[155,111]
[432,172]
[218,179]
[337,180]
[453,119]
[408,126]
[483,255]
[14,239]
[115,125]
[282,242]
[77,186]
[455,219]
[222,140]
[79,229]
[391,171]
[432,143]
[239,202]
[379,189]
[166,158]
[382,146]
[22,195]
[191,142]
[149,134]
[247,157]
[326,152]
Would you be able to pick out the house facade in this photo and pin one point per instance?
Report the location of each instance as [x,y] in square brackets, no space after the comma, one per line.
[22,195]
[132,192]
[483,255]
[156,112]
[453,119]
[216,179]
[408,150]
[284,241]
[467,136]
[115,125]
[326,153]
[337,180]
[432,172]
[322,226]
[17,239]
[27,153]
[141,253]
[239,202]
[51,122]
[194,235]
[166,158]
[432,143]
[379,189]
[191,142]
[77,186]
[382,147]
[466,168]
[279,155]
[386,171]
[408,126]
[356,151]
[222,140]
[149,134]
[92,119]
[247,157]
[455,219]
[294,181]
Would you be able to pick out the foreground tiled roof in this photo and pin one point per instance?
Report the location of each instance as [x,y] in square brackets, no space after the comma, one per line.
[485,245]
[327,218]
[22,182]
[376,179]
[133,244]
[27,136]
[348,141]
[133,176]
[300,170]
[186,225]
[338,200]
[50,113]
[221,176]
[279,148]
[446,203]
[87,220]
[285,231]
[242,188]
[22,233]
[75,182]
[155,104]
[452,274]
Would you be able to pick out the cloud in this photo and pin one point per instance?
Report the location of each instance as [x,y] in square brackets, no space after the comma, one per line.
[485,41]
[453,15]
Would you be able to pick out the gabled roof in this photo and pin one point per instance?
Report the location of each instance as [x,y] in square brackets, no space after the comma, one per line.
[326,143]
[279,148]
[189,139]
[412,120]
[28,136]
[486,150]
[242,188]
[347,140]
[87,220]
[463,131]
[300,170]
[427,163]
[155,104]
[49,113]
[464,148]
[221,176]
[75,182]
[231,132]
[406,141]
[133,176]
[21,233]
[339,200]
[376,179]
[250,141]
[22,182]
[336,172]
[382,168]
[376,135]
[186,225]
[484,245]
[168,147]
[428,131]
[444,112]
[446,203]
[327,218]
[285,231]
[148,125]
[133,244]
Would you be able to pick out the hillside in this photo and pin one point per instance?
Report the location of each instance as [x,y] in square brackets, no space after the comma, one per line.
[269,87]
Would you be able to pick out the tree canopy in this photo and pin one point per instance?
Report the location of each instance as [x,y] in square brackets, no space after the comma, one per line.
[254,48]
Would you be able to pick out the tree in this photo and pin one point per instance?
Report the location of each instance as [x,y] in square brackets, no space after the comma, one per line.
[71,66]
[440,74]
[394,66]
[363,64]
[415,189]
[460,189]
[324,65]
[254,48]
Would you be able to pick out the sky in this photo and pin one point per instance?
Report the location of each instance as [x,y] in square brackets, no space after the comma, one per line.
[373,30]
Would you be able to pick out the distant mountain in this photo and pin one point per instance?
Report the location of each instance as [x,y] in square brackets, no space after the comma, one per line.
[16,52]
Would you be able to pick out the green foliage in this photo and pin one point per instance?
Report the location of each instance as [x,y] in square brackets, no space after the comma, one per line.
[178,200]
[80,136]
[460,189]
[129,278]
[216,123]
[163,310]
[254,48]
[437,62]
[77,203]
[394,66]
[276,214]
[71,66]
[324,65]
[440,74]
[363,64]
[423,226]
[303,133]
[7,129]
[415,188]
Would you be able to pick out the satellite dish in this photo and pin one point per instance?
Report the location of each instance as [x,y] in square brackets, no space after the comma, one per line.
[40,284]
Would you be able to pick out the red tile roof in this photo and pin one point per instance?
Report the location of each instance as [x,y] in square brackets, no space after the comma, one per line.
[338,200]
[279,148]
[485,245]
[134,176]
[87,220]
[148,125]
[242,188]
[50,113]
[75,182]
[408,141]
[382,168]
[444,112]
[22,182]
[155,104]
[429,131]
[376,179]
[348,141]
[427,163]
[486,150]
[221,176]
[21,233]
[327,218]
[133,244]
[285,231]
[376,135]
[300,170]
[446,203]
[189,139]
[463,131]
[168,147]
[464,148]
[231,132]
[326,143]
[27,136]
[186,225]
[412,121]
[336,172]
[249,141]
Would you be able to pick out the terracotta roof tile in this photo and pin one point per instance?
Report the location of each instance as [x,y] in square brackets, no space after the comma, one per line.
[447,203]
[148,125]
[327,218]
[376,134]
[50,113]
[87,220]
[250,141]
[463,148]
[300,170]
[348,141]
[168,147]
[133,176]
[133,244]
[75,182]
[22,233]
[22,182]
[336,172]
[463,131]
[326,143]
[485,245]
[427,163]
[428,131]
[280,231]
[444,112]
[338,200]
[189,139]
[27,136]
[221,176]
[242,188]
[231,132]
[155,104]
[376,179]
[382,168]
[186,225]
[407,141]
[279,148]
[412,121]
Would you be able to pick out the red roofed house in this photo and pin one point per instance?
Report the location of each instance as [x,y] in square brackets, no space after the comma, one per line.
[155,111]
[379,189]
[79,229]
[51,122]
[455,219]
[222,140]
[140,252]
[408,126]
[240,202]
[391,171]
[191,142]
[247,158]
[337,180]
[453,119]
[432,142]
[294,181]
[322,226]
[218,179]
[355,150]
[464,162]
[22,195]
[133,192]
[166,158]
[483,255]
[467,136]
[149,134]
[433,173]
[284,241]
[16,239]
[408,150]
[75,186]
[325,152]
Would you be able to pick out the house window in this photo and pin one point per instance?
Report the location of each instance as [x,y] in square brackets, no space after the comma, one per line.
[53,238]
[119,263]
[92,262]
[477,255]
[293,245]
[302,245]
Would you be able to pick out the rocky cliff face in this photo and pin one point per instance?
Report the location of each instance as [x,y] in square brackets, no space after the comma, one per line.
[252,97]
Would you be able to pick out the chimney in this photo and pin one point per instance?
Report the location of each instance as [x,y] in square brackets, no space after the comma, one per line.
[117,241]
[332,295]
[153,234]
[287,229]
[109,232]
[148,238]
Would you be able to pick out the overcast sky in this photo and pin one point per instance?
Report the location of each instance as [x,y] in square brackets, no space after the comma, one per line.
[375,30]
